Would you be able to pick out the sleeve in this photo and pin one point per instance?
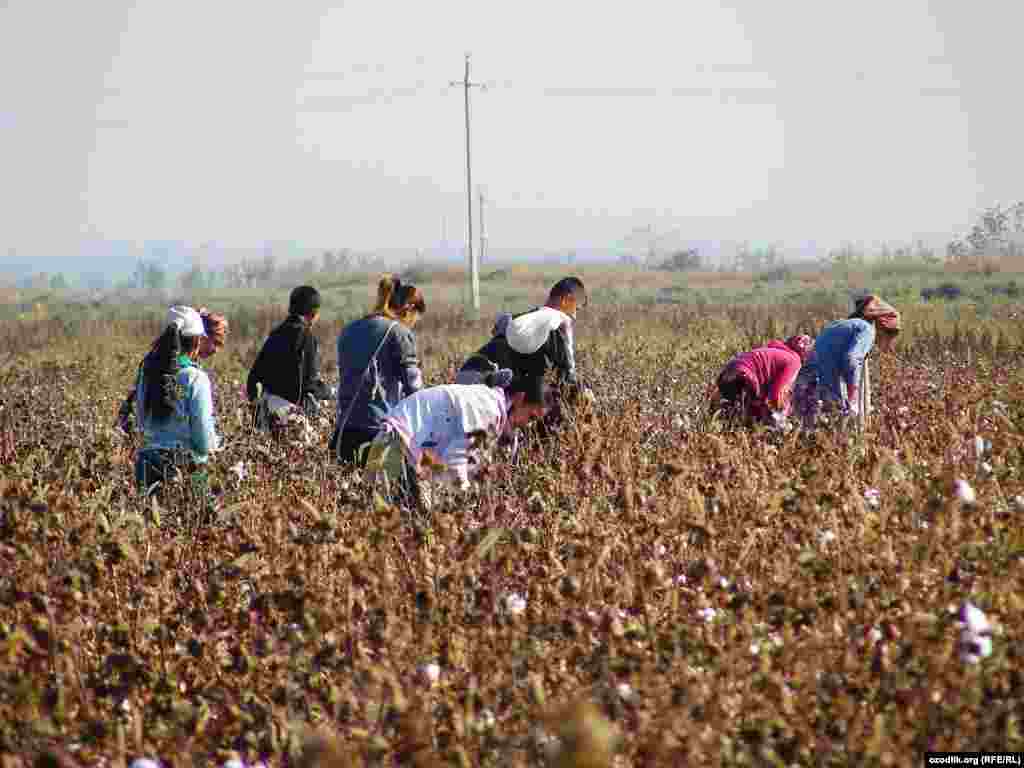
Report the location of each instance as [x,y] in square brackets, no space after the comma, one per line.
[137,401]
[562,348]
[255,374]
[204,435]
[313,383]
[409,364]
[861,343]
[126,411]
[782,384]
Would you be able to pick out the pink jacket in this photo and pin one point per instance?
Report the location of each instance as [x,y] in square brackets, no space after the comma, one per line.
[771,370]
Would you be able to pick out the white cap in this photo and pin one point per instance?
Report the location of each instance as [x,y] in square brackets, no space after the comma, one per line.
[186,320]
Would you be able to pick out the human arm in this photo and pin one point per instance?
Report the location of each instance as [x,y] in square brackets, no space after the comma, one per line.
[562,352]
[255,375]
[200,409]
[312,382]
[126,412]
[404,348]
[781,386]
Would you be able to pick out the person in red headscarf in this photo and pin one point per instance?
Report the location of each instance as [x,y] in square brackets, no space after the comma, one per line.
[755,385]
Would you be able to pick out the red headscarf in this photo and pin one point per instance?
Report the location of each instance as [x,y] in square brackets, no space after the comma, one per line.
[216,326]
[876,310]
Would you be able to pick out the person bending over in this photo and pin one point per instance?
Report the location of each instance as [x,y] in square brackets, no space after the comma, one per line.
[830,377]
[534,342]
[441,433]
[755,386]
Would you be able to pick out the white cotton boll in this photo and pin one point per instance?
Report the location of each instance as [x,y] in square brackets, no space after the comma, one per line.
[240,471]
[515,603]
[431,672]
[826,537]
[233,762]
[964,492]
[624,691]
[707,614]
[485,720]
[974,619]
[144,762]
[755,648]
[680,580]
[1017,503]
[974,647]
[723,583]
[985,468]
[677,422]
[873,497]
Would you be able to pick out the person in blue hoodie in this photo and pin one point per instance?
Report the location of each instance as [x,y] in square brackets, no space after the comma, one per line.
[174,407]
[377,366]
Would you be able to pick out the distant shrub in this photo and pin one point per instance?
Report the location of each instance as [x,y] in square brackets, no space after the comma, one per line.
[777,275]
[682,261]
[1010,289]
[946,292]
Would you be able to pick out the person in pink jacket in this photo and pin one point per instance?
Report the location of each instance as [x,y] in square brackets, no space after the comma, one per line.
[756,384]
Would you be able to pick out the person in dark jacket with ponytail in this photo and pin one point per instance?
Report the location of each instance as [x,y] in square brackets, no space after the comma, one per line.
[288,364]
[174,406]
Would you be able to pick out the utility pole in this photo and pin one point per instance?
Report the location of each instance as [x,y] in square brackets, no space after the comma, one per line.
[483,236]
[474,273]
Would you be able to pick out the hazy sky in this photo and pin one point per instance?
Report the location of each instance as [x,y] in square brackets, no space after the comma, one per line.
[333,123]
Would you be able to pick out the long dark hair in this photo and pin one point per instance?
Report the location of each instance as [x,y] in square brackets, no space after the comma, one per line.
[160,372]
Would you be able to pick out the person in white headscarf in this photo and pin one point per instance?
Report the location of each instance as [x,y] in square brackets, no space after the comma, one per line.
[174,406]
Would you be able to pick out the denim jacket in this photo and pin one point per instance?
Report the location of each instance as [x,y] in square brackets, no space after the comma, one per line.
[838,355]
[191,426]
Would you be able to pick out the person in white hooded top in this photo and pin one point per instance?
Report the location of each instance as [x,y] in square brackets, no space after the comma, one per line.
[441,431]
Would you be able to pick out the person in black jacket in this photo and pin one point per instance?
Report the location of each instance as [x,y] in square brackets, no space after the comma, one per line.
[288,364]
[534,342]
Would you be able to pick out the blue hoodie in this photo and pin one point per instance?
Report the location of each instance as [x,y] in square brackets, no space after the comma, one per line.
[191,427]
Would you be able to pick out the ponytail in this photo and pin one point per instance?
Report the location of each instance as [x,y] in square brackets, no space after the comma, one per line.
[386,289]
[160,371]
[395,298]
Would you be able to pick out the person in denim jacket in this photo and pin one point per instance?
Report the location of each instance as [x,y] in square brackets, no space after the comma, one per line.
[830,377]
[377,365]
[174,406]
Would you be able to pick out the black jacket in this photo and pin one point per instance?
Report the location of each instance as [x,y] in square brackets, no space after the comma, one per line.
[288,365]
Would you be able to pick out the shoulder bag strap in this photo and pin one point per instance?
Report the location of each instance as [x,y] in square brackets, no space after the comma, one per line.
[343,421]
